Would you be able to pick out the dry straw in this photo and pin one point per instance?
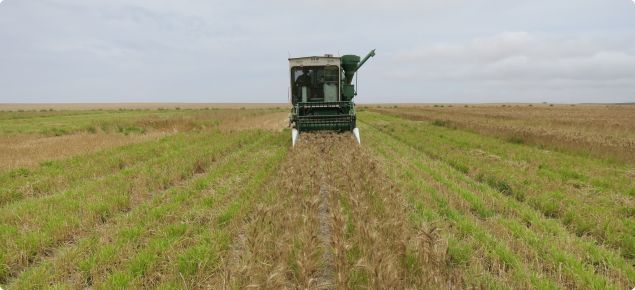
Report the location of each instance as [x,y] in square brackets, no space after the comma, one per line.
[603,131]
[335,221]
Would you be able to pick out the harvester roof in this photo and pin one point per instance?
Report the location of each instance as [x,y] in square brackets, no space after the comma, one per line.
[314,57]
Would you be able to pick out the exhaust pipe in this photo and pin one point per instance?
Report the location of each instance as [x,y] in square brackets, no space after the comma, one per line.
[294,135]
[356,133]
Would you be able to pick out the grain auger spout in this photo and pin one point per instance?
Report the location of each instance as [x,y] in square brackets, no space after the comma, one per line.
[322,93]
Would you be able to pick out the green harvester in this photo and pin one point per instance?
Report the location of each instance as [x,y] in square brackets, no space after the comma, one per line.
[322,93]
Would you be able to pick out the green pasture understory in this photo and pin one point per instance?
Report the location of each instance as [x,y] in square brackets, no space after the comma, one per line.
[53,176]
[172,239]
[58,123]
[489,190]
[158,214]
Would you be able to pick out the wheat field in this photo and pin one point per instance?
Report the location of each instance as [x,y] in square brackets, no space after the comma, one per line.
[483,197]
[594,130]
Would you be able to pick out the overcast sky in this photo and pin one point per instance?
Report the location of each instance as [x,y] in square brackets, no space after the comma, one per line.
[59,51]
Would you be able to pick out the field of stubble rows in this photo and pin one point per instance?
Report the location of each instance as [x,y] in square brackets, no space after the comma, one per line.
[436,197]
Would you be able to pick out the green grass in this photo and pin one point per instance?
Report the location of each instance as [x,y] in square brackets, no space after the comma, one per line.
[164,214]
[53,176]
[60,123]
[45,222]
[490,190]
[591,187]
[181,244]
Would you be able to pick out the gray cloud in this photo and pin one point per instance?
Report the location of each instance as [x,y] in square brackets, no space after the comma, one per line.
[523,61]
[235,51]
[505,45]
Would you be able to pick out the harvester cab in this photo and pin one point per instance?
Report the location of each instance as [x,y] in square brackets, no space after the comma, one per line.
[322,93]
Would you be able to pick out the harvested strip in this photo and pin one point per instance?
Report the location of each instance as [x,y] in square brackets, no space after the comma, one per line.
[177,238]
[606,217]
[612,137]
[485,203]
[589,197]
[171,121]
[29,150]
[271,122]
[488,267]
[55,176]
[34,227]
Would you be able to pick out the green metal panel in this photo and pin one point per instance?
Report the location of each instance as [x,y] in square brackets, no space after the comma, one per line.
[371,53]
[330,114]
[319,127]
[349,64]
[348,92]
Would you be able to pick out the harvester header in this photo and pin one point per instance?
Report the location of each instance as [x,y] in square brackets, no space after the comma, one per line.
[322,93]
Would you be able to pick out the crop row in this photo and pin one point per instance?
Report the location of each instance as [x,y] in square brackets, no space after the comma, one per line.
[59,175]
[31,228]
[576,139]
[605,120]
[122,121]
[332,219]
[497,238]
[589,197]
[175,240]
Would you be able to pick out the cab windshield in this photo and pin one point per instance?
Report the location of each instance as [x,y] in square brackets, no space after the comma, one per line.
[315,84]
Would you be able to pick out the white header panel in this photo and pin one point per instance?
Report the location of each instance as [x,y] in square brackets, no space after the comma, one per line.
[314,61]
